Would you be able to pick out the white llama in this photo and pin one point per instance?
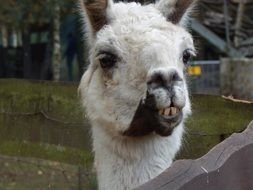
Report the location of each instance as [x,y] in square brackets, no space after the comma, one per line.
[134,90]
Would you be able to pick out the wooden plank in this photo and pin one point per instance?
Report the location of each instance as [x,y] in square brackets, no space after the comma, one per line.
[227,166]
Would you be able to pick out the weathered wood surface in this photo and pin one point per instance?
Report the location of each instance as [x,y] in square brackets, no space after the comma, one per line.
[228,166]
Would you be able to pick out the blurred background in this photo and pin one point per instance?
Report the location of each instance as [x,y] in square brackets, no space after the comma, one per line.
[43,40]
[44,141]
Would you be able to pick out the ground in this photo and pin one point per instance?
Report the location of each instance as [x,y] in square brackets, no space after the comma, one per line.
[35,174]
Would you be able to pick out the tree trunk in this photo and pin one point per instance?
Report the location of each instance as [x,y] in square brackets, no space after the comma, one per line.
[19,39]
[56,58]
[3,47]
[27,61]
[46,71]
[4,36]
[13,39]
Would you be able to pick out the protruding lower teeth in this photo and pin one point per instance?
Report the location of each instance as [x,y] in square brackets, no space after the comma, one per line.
[173,110]
[169,111]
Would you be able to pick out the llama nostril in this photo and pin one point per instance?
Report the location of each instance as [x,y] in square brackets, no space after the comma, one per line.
[156,80]
[174,76]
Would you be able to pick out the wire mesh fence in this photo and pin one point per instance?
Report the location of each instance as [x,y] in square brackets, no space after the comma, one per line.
[205,77]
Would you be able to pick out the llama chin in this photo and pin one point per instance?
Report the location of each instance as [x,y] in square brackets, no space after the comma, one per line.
[135,90]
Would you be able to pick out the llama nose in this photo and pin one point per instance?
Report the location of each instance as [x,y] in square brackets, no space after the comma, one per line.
[163,78]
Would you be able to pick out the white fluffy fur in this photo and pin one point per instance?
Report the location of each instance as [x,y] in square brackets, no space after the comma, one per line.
[144,41]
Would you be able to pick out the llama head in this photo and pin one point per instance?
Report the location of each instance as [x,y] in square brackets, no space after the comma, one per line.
[135,84]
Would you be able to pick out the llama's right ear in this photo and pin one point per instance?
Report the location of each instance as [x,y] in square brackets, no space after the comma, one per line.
[176,11]
[95,13]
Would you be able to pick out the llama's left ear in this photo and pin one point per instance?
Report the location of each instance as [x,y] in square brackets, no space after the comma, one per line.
[176,11]
[95,13]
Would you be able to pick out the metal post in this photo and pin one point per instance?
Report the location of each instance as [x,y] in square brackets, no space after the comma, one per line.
[238,24]
[226,16]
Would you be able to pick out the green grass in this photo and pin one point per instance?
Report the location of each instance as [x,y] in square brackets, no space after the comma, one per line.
[25,171]
[48,152]
[213,119]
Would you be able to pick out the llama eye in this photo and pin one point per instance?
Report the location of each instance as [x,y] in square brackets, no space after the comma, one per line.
[187,55]
[107,60]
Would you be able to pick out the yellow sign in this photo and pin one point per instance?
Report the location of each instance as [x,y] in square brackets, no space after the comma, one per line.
[194,70]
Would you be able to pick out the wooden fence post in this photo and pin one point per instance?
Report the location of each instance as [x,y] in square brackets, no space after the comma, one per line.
[228,166]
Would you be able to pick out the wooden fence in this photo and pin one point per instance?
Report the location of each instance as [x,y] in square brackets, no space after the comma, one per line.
[228,166]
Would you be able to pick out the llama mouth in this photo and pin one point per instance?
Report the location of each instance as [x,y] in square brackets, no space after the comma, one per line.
[149,119]
[169,112]
[169,119]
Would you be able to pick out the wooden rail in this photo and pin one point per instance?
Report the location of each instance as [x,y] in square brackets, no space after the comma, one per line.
[228,166]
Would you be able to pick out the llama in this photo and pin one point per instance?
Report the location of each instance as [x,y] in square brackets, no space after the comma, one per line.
[134,90]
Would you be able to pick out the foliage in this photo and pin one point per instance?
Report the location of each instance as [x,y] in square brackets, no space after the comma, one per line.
[23,13]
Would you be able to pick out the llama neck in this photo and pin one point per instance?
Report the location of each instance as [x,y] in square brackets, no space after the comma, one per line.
[126,163]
